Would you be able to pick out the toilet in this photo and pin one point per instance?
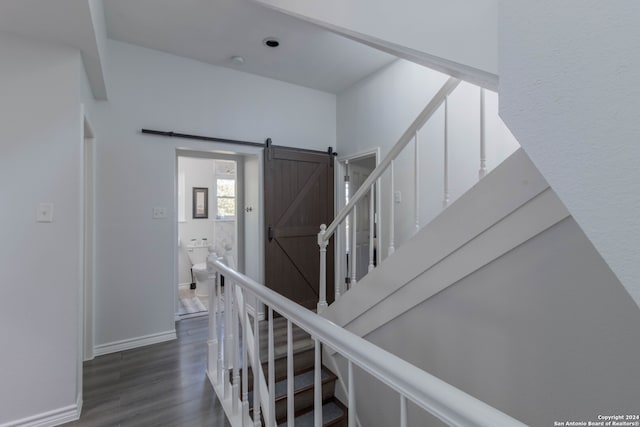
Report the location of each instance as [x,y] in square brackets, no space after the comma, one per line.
[197,251]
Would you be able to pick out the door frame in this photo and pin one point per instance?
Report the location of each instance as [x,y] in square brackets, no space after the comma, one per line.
[340,237]
[88,241]
[239,157]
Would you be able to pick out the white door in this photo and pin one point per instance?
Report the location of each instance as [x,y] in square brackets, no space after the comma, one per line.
[358,173]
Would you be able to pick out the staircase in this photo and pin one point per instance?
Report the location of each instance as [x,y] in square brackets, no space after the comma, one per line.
[334,412]
[293,385]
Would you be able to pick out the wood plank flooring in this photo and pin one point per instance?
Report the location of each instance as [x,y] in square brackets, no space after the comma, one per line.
[158,385]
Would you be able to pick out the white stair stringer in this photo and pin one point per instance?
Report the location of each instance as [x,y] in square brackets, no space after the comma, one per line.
[509,206]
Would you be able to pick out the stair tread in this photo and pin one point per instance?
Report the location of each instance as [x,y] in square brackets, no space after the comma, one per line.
[331,412]
[300,382]
[302,341]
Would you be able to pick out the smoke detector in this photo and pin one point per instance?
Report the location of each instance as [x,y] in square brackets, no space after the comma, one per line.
[237,60]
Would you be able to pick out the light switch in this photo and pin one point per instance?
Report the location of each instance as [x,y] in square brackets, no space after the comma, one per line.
[159,212]
[397,196]
[45,212]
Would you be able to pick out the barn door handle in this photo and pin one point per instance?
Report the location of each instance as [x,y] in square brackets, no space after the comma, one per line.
[270,233]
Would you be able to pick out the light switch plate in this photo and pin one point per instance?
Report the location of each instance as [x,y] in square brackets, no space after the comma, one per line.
[159,212]
[397,196]
[45,212]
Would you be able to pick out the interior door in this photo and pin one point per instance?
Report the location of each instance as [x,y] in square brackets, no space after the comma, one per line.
[358,173]
[298,197]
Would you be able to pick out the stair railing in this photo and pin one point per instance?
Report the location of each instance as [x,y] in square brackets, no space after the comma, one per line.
[369,185]
[234,348]
[433,395]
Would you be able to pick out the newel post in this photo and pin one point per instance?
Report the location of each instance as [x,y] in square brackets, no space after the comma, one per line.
[322,303]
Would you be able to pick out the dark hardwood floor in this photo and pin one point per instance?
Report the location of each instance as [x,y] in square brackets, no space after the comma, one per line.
[158,385]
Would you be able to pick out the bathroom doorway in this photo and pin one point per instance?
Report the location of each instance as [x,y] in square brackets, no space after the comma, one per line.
[210,195]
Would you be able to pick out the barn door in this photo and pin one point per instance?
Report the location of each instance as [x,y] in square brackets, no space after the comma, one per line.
[298,197]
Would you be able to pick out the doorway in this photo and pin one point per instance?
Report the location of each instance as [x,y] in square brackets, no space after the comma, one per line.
[363,250]
[210,193]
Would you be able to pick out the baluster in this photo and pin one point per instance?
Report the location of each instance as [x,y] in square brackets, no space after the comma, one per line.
[322,303]
[371,225]
[290,407]
[213,335]
[317,386]
[352,397]
[354,247]
[403,411]
[235,352]
[483,149]
[445,200]
[416,182]
[228,340]
[338,265]
[378,221]
[245,363]
[272,372]
[391,212]
[256,365]
[220,329]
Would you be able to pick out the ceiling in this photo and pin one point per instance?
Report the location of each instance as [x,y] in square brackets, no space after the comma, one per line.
[213,31]
[66,22]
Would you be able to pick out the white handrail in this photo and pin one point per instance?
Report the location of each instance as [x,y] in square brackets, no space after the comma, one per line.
[224,372]
[406,137]
[441,399]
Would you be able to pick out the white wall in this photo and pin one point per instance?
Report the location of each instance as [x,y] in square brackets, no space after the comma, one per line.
[376,111]
[544,333]
[136,257]
[40,263]
[504,297]
[569,85]
[456,36]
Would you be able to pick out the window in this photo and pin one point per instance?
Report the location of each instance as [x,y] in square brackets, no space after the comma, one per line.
[225,198]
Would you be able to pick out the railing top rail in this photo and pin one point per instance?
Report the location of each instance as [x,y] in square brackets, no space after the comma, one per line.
[422,118]
[441,399]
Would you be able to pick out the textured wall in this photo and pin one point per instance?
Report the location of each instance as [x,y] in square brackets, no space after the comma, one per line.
[570,94]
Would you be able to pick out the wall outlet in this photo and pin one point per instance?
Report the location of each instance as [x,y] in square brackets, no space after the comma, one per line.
[45,212]
[159,212]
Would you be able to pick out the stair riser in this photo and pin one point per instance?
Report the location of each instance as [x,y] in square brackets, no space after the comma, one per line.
[306,418]
[343,422]
[301,362]
[303,400]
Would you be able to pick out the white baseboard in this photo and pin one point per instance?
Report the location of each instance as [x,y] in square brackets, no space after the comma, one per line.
[52,418]
[128,344]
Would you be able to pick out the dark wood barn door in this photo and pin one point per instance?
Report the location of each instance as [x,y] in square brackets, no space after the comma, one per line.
[298,197]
